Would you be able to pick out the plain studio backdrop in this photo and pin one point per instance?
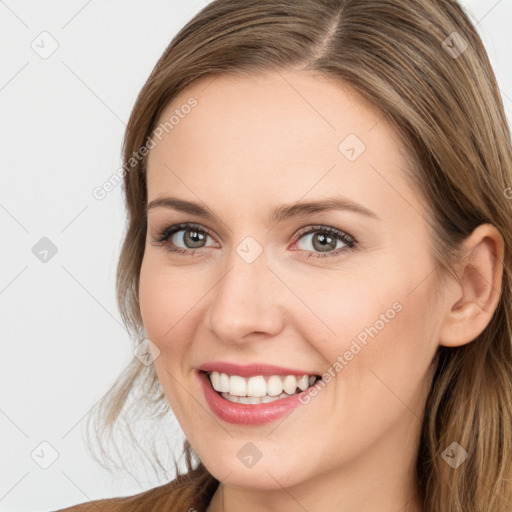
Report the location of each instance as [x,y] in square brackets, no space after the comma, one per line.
[69,75]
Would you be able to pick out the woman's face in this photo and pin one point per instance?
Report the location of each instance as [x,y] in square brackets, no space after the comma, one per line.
[259,281]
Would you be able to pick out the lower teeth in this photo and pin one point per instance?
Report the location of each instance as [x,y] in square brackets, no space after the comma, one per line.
[253,399]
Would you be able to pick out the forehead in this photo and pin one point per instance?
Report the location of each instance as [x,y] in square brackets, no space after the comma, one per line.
[278,137]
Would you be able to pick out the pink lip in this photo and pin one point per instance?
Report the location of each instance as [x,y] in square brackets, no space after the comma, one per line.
[248,414]
[250,370]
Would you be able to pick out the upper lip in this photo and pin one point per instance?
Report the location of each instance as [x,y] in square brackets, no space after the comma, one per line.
[250,370]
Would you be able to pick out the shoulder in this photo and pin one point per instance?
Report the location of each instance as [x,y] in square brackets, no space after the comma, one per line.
[97,505]
[106,505]
[156,495]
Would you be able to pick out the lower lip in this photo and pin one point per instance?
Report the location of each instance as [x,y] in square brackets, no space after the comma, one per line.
[248,414]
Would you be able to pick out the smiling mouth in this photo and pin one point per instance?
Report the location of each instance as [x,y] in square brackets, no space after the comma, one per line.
[259,389]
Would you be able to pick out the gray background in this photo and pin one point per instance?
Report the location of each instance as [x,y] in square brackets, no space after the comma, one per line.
[62,122]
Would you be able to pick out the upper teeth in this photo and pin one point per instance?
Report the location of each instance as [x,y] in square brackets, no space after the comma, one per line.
[259,386]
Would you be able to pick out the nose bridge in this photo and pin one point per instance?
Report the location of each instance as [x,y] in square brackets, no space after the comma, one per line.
[246,299]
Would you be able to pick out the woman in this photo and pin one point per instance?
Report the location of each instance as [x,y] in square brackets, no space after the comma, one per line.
[318,258]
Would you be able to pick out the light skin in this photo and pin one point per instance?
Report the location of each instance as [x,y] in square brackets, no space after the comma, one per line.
[253,144]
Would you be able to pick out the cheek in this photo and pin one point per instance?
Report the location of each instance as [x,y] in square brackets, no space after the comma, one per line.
[348,305]
[376,320]
[164,304]
[392,367]
[166,312]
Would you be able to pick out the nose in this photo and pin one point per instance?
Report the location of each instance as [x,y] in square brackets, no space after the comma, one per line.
[247,303]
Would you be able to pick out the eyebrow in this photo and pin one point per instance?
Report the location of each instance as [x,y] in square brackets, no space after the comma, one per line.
[277,215]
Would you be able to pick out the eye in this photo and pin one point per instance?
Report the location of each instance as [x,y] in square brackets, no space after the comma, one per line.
[191,236]
[325,239]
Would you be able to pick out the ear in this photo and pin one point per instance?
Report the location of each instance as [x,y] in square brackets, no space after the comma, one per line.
[471,304]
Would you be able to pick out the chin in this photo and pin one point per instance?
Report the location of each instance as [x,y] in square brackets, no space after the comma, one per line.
[263,475]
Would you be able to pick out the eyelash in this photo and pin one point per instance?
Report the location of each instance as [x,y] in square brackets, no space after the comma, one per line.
[350,242]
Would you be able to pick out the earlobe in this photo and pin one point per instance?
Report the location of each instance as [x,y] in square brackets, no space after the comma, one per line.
[473,302]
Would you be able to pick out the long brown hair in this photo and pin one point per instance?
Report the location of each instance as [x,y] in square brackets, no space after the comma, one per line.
[409,58]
